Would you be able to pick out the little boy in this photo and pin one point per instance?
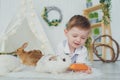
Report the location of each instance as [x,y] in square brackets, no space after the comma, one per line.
[76,32]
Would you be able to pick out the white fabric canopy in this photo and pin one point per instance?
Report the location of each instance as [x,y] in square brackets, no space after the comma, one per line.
[25,27]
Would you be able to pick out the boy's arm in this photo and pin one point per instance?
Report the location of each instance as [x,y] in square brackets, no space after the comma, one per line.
[82,58]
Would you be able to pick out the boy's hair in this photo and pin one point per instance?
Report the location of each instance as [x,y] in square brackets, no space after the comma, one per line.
[80,22]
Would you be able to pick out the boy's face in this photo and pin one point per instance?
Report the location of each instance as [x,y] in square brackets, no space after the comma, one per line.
[76,37]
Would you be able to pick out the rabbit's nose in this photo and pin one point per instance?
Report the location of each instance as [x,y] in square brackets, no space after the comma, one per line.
[64,59]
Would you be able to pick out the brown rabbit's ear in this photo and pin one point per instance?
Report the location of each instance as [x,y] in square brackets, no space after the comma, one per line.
[25,45]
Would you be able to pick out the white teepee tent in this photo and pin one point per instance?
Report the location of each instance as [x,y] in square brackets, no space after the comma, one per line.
[25,27]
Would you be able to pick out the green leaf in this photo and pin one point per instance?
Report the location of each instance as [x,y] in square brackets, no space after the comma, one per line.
[96,31]
[91,15]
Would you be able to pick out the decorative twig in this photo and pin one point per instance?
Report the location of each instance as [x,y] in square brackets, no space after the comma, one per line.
[114,56]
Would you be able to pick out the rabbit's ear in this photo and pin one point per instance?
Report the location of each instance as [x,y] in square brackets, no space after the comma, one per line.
[53,58]
[25,45]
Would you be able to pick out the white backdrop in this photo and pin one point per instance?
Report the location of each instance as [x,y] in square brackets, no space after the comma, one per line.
[8,9]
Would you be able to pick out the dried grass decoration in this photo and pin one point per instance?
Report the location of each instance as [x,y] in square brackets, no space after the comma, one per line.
[53,22]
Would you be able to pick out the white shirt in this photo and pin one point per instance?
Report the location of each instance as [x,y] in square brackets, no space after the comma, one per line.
[81,52]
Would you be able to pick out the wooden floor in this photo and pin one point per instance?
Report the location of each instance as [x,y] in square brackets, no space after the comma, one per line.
[111,71]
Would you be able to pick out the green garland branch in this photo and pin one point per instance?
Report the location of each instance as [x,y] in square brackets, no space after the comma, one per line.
[8,53]
[45,16]
[106,6]
[88,43]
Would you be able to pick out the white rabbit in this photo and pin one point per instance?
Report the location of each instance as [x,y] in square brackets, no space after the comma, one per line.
[9,63]
[53,63]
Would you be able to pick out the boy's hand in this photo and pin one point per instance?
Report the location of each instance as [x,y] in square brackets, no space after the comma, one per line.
[89,71]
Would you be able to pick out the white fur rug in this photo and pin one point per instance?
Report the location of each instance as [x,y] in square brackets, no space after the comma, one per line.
[28,72]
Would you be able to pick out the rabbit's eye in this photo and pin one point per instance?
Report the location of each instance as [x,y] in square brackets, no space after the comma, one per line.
[50,59]
[64,59]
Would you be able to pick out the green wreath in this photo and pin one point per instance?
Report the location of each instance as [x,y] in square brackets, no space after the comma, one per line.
[54,22]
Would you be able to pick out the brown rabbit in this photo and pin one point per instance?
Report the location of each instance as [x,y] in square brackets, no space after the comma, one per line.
[28,57]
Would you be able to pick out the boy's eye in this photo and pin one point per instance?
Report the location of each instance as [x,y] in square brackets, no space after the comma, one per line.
[74,36]
[83,38]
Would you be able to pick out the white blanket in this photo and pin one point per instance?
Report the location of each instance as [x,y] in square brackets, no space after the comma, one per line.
[29,72]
